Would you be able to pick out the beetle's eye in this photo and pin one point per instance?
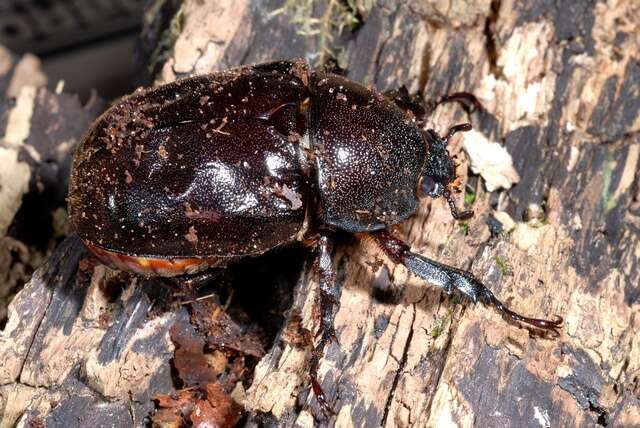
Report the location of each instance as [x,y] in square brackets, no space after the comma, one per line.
[430,187]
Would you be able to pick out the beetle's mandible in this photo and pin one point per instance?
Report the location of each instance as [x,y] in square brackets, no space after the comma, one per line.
[209,169]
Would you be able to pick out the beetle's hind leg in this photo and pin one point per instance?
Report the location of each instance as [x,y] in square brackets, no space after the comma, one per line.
[329,301]
[450,279]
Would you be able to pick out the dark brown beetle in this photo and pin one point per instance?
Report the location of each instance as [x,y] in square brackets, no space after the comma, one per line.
[209,169]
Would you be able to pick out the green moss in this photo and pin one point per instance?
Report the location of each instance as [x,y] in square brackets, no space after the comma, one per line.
[608,200]
[502,265]
[469,197]
[464,227]
[438,328]
[338,15]
[440,323]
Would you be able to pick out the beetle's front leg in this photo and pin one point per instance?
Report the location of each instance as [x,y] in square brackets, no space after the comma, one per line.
[450,279]
[329,301]
[467,100]
[411,104]
[418,107]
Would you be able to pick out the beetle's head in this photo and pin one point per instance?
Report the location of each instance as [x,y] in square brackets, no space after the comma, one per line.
[439,175]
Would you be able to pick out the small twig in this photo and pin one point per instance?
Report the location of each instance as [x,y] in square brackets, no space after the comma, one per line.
[208,296]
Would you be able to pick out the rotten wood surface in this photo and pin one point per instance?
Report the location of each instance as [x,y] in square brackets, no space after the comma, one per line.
[560,86]
[38,132]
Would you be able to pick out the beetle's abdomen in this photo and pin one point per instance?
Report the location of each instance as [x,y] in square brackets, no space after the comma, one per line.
[203,168]
[369,156]
[155,266]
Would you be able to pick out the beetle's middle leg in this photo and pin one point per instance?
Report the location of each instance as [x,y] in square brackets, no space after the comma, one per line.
[450,279]
[329,301]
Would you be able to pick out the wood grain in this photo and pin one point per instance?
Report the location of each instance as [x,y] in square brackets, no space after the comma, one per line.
[560,85]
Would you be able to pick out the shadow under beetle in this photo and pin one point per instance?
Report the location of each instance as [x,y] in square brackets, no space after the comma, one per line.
[209,169]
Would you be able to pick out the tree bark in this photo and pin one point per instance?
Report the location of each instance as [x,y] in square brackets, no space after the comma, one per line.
[560,89]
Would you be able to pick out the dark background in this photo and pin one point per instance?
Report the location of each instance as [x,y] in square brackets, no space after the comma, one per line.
[87,43]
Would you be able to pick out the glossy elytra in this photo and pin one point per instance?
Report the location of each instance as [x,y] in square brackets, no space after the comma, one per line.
[209,169]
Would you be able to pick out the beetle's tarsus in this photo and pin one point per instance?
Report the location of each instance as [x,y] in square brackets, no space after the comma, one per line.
[488,298]
[329,301]
[452,279]
[461,215]
[196,281]
[322,399]
[455,213]
[461,127]
[328,335]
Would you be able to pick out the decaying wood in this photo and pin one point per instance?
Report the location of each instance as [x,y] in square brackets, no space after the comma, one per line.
[560,86]
[16,73]
[38,131]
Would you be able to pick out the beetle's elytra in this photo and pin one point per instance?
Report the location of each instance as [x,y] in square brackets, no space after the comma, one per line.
[209,169]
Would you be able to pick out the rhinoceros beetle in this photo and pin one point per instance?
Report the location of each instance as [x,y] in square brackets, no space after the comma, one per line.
[204,171]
